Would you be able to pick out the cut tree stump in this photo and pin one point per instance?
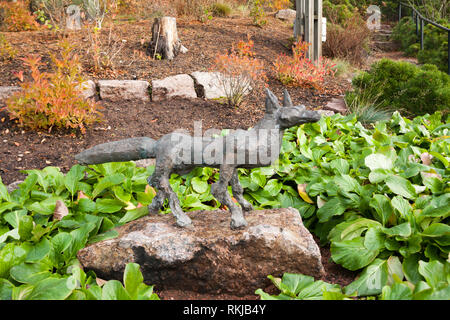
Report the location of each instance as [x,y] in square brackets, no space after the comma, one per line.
[165,41]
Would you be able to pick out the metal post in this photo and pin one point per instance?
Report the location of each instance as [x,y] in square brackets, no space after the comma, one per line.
[417,24]
[399,11]
[421,33]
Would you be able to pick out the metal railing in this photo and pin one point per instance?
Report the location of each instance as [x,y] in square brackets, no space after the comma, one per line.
[420,23]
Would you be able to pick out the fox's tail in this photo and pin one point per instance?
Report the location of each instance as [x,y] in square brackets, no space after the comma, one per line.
[118,151]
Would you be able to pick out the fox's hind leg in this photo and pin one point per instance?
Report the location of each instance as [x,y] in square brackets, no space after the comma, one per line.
[238,191]
[220,192]
[160,180]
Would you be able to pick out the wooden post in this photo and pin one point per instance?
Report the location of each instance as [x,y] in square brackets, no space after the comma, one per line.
[308,26]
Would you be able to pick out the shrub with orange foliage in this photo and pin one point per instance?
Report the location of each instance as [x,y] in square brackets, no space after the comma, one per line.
[17,17]
[297,70]
[278,4]
[53,99]
[240,72]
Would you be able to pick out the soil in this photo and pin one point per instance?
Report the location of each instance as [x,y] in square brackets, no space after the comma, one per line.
[21,149]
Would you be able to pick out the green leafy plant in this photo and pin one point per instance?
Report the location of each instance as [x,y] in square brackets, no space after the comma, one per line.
[220,9]
[257,13]
[38,251]
[435,46]
[7,51]
[379,196]
[53,99]
[419,280]
[402,85]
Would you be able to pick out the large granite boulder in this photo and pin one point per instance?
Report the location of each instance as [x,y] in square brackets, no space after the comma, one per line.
[209,257]
[286,15]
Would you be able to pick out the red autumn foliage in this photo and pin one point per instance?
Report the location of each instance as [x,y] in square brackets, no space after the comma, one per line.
[53,99]
[297,70]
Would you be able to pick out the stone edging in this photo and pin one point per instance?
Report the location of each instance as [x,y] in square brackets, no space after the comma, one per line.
[197,84]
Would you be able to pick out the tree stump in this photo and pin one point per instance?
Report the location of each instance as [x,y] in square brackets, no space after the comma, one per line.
[165,41]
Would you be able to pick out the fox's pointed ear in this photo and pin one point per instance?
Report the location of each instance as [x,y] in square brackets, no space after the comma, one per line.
[287,102]
[271,102]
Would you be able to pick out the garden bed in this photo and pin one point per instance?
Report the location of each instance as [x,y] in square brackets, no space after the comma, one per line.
[21,149]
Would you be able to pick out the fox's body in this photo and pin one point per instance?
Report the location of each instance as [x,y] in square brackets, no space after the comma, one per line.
[178,152]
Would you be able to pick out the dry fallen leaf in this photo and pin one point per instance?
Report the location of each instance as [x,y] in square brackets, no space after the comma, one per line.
[60,210]
[301,188]
[426,158]
[100,282]
[81,195]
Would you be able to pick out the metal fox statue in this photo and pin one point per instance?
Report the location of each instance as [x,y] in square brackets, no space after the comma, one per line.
[180,153]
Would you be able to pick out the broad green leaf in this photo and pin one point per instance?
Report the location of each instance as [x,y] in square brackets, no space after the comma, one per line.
[374,239]
[378,175]
[75,174]
[14,217]
[410,267]
[110,234]
[402,230]
[352,254]
[86,205]
[371,280]
[340,166]
[265,296]
[434,274]
[108,205]
[22,292]
[134,214]
[38,251]
[52,289]
[4,194]
[434,184]
[394,269]
[382,206]
[6,289]
[25,227]
[199,186]
[107,182]
[296,282]
[436,230]
[10,255]
[347,183]
[258,178]
[113,290]
[31,272]
[398,291]
[121,194]
[333,207]
[378,161]
[273,187]
[401,186]
[132,278]
[402,205]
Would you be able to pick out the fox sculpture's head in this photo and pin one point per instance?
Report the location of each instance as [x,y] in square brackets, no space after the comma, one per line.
[288,115]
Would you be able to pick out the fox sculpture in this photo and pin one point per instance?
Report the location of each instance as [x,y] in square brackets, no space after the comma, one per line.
[179,152]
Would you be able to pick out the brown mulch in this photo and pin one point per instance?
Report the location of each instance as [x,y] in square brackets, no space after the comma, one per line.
[21,149]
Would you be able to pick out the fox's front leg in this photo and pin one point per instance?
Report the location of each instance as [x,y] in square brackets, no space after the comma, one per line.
[220,192]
